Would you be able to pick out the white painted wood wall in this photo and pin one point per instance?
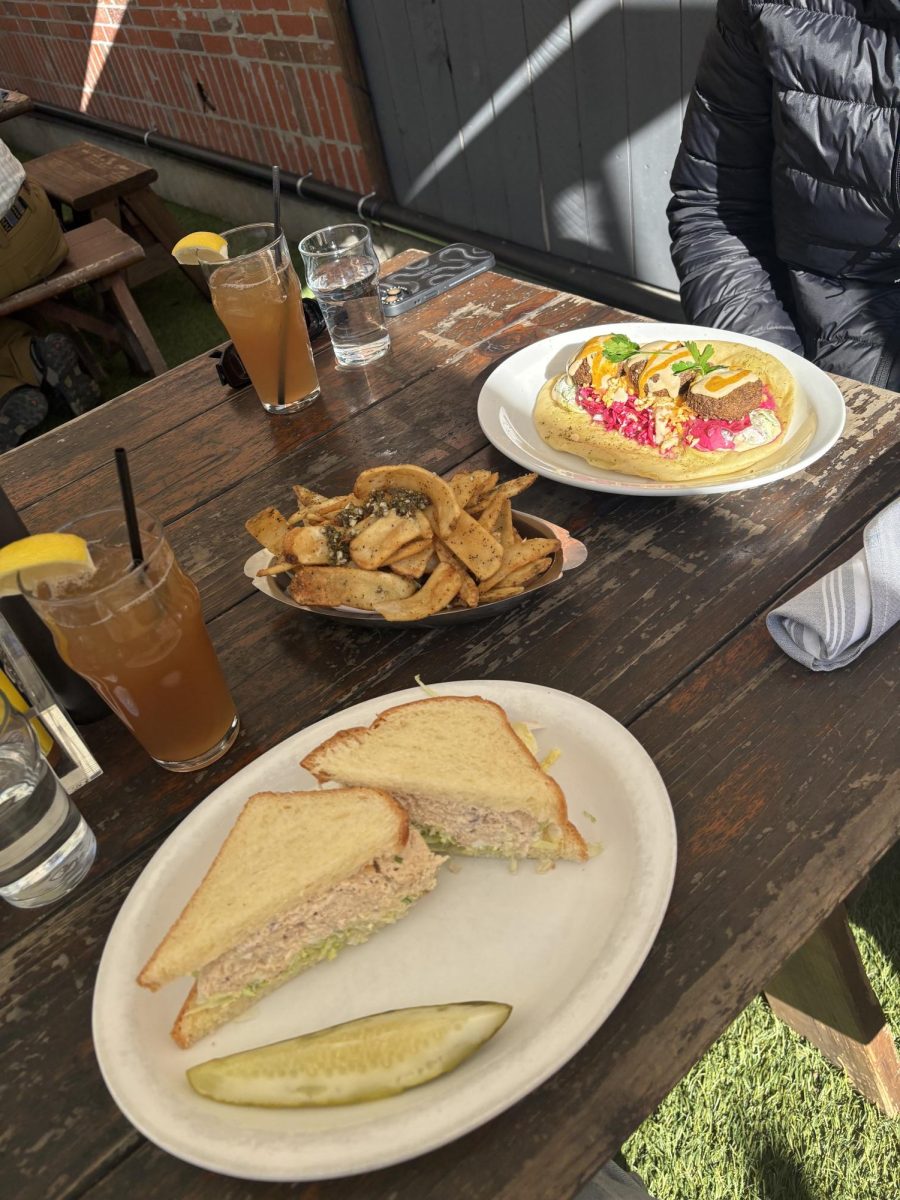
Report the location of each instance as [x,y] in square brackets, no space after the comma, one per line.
[551,122]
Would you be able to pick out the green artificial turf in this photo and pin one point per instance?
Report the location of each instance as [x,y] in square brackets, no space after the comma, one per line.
[181,321]
[763,1116]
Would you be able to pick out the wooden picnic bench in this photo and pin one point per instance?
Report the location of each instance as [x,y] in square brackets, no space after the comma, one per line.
[783,783]
[97,183]
[99,255]
[13,104]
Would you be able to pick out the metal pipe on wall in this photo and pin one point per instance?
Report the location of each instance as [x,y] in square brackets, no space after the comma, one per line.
[565,273]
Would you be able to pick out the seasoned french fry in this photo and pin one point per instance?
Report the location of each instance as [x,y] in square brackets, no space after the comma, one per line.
[305,496]
[276,568]
[436,593]
[412,479]
[491,513]
[325,507]
[411,550]
[417,551]
[414,566]
[308,545]
[524,575]
[269,528]
[373,547]
[512,487]
[478,549]
[333,586]
[465,486]
[468,591]
[519,556]
[505,530]
[485,483]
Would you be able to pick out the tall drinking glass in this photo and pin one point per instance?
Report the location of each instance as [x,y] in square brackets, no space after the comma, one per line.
[342,270]
[256,294]
[46,847]
[136,634]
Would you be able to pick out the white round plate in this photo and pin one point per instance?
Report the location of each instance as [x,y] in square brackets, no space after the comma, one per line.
[560,947]
[507,399]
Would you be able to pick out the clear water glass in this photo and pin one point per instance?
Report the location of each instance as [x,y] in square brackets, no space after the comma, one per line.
[342,271]
[46,846]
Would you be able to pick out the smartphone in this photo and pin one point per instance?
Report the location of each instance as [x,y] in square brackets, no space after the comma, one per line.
[411,286]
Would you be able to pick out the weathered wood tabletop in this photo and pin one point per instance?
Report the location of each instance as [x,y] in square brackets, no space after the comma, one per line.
[784,783]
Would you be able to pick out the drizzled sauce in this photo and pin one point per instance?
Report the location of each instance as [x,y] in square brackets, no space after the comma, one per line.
[667,356]
[724,381]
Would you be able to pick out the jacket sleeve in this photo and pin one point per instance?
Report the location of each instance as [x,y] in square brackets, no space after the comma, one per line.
[720,216]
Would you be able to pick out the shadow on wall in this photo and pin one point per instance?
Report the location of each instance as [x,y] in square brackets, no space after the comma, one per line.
[553,124]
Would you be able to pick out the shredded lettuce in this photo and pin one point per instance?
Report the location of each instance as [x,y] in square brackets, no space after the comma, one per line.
[429,691]
[523,732]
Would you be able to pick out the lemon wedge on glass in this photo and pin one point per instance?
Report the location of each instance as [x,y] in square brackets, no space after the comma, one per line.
[43,558]
[360,1060]
[198,248]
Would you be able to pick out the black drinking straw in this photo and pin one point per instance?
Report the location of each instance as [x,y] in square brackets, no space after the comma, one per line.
[282,330]
[131,519]
[276,200]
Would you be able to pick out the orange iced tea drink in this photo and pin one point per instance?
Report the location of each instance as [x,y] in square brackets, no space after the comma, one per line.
[256,294]
[136,634]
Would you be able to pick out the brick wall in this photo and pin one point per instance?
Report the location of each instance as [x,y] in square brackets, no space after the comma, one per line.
[274,81]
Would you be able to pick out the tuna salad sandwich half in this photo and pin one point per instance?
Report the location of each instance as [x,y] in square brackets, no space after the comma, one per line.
[467,780]
[300,876]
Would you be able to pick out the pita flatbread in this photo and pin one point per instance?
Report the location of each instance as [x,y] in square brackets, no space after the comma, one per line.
[568,427]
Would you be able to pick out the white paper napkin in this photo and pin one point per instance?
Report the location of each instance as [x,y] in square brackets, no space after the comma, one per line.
[830,624]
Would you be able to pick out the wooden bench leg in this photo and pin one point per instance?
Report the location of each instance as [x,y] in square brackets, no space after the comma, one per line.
[147,208]
[823,993]
[141,339]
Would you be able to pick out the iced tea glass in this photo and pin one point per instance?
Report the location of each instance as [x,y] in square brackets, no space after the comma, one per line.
[256,294]
[136,634]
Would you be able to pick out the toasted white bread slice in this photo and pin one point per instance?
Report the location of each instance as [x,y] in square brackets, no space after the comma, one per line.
[378,894]
[466,778]
[284,848]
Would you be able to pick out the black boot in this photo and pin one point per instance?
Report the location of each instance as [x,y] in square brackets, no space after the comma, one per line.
[21,409]
[56,360]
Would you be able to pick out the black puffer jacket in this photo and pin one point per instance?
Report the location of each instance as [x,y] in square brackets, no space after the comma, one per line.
[785,220]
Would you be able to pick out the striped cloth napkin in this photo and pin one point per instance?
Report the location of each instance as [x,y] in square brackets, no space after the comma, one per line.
[831,623]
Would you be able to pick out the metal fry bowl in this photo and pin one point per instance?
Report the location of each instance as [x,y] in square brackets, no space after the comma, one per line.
[571,554]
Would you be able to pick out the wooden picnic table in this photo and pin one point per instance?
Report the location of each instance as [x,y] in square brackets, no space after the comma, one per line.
[13,104]
[783,782]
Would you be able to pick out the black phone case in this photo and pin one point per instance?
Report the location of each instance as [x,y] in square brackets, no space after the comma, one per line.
[423,280]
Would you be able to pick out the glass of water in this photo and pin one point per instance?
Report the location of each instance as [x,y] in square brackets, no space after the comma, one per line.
[46,847]
[342,270]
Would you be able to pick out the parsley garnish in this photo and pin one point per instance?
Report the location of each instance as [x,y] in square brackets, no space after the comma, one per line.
[699,361]
[619,347]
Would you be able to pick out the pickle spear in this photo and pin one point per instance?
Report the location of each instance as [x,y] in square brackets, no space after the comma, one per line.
[361,1060]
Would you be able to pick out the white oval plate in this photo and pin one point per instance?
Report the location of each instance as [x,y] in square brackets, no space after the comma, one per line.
[507,399]
[561,947]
